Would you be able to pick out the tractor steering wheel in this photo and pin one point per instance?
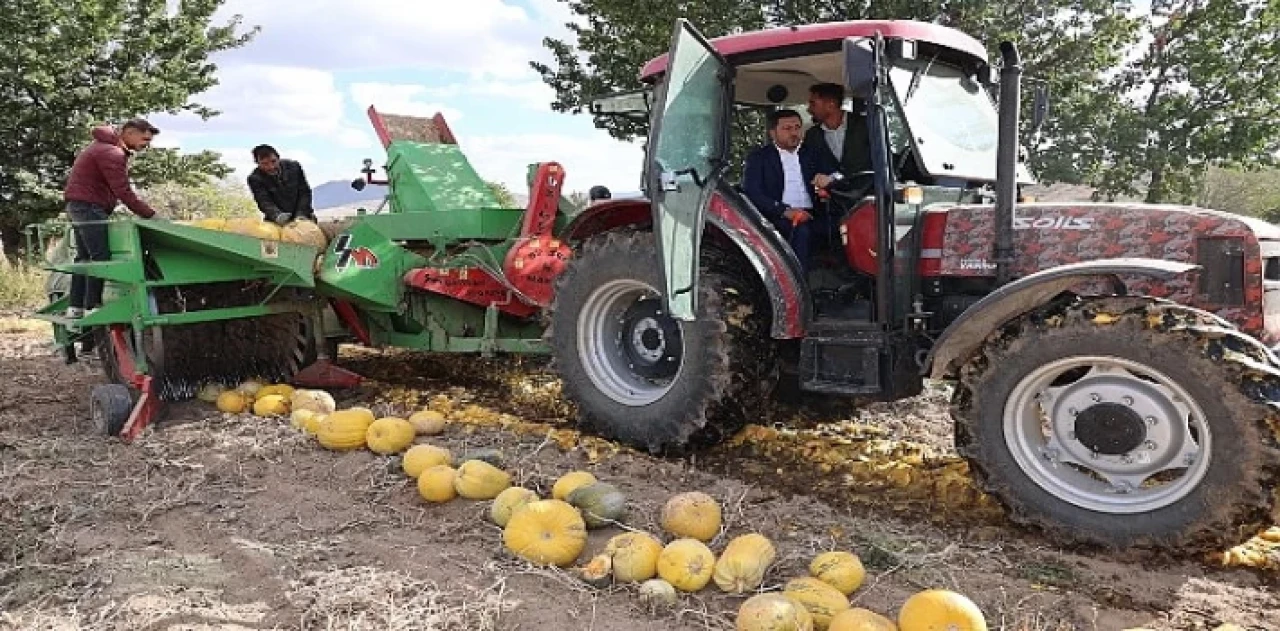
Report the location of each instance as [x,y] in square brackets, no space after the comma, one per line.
[846,191]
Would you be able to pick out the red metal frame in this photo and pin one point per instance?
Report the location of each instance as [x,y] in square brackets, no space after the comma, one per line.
[531,265]
[147,409]
[351,319]
[787,36]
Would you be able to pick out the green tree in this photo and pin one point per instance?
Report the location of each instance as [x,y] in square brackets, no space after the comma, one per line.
[67,65]
[1255,192]
[1203,91]
[210,198]
[1065,43]
[504,194]
[159,166]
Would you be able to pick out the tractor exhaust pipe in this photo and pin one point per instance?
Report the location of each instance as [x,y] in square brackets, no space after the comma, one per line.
[1007,158]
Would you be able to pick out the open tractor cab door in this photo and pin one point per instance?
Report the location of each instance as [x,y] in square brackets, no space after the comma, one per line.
[1113,377]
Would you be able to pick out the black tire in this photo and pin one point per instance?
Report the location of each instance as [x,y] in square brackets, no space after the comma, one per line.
[1231,499]
[726,356]
[109,407]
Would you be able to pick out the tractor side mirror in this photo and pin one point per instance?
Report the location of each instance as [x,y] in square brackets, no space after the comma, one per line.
[859,66]
[1040,111]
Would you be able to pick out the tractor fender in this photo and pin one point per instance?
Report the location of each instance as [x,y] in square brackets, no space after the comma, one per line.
[729,218]
[967,333]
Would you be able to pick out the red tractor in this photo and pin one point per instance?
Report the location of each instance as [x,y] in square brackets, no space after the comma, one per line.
[1114,381]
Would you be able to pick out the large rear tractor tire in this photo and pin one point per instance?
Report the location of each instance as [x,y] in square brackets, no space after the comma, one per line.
[1124,423]
[639,376]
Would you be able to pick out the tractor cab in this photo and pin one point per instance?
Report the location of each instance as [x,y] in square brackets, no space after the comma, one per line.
[929,85]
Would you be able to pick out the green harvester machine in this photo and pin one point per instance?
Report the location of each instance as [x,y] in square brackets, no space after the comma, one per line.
[439,266]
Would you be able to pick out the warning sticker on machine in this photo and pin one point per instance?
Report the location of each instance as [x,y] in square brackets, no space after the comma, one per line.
[361,257]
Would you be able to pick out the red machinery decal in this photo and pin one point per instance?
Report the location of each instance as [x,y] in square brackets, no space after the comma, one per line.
[531,265]
[361,257]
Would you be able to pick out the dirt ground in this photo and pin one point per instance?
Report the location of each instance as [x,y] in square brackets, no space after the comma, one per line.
[221,522]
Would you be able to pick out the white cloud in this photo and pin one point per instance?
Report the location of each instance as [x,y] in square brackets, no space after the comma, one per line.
[531,94]
[258,98]
[400,98]
[589,160]
[471,35]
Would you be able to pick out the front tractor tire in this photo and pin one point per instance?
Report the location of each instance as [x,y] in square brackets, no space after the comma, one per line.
[640,377]
[1123,423]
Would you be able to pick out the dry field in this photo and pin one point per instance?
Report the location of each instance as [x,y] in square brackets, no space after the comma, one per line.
[220,522]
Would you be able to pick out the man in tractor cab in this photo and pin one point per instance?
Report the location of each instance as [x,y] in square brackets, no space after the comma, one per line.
[777,178]
[840,137]
[280,187]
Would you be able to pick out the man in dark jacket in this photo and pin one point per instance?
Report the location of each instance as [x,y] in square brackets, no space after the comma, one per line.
[99,179]
[280,187]
[778,178]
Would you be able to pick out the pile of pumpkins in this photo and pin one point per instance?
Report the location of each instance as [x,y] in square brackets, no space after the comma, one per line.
[300,231]
[553,531]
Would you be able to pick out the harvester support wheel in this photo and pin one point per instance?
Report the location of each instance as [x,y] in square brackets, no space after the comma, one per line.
[643,378]
[109,407]
[1124,422]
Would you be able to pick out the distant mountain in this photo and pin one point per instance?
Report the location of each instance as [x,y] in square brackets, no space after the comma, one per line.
[339,193]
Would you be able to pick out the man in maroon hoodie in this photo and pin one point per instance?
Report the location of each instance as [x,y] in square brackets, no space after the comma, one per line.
[99,180]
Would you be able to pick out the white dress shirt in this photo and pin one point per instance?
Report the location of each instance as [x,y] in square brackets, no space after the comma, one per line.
[835,137]
[794,192]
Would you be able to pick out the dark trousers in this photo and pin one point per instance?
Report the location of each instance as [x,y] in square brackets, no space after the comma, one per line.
[806,237]
[89,223]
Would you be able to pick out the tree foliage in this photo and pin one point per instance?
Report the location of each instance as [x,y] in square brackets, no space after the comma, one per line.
[1204,90]
[67,65]
[1255,193]
[209,198]
[1129,108]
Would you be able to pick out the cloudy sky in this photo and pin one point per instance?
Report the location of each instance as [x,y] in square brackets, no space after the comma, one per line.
[304,82]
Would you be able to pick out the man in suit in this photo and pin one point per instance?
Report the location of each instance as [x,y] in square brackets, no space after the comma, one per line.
[838,136]
[280,187]
[777,178]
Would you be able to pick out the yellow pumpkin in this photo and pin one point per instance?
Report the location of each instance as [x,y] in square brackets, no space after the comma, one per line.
[570,482]
[284,390]
[253,227]
[365,412]
[742,565]
[839,569]
[687,564]
[546,532]
[270,405]
[427,422]
[656,592]
[212,223]
[695,515]
[344,430]
[435,484]
[389,435]
[298,418]
[317,401]
[773,612]
[597,572]
[231,401]
[940,609]
[509,502]
[312,423]
[479,480]
[250,388]
[859,619]
[635,556]
[304,232]
[421,457]
[822,600]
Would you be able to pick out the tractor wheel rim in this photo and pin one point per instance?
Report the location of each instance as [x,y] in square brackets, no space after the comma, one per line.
[630,348]
[1107,434]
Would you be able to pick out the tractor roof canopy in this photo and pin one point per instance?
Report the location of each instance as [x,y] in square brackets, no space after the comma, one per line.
[796,57]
